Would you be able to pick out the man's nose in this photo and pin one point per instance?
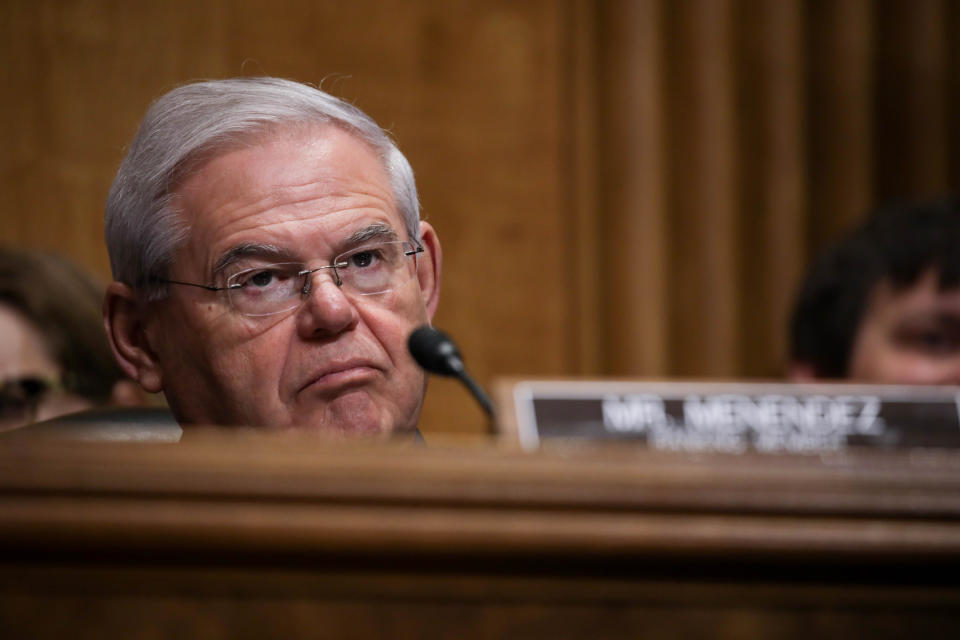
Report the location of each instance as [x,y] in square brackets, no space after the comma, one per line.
[325,310]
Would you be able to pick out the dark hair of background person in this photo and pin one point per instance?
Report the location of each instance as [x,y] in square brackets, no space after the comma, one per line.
[64,304]
[897,244]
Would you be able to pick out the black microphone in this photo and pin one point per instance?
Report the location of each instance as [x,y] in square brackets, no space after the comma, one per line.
[435,352]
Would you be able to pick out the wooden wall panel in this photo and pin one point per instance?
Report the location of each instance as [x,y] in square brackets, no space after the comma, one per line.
[771,124]
[841,81]
[621,188]
[636,278]
[585,272]
[783,184]
[911,123]
[704,309]
[470,90]
[778,125]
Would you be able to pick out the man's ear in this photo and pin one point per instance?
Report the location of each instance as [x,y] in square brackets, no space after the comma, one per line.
[429,265]
[124,321]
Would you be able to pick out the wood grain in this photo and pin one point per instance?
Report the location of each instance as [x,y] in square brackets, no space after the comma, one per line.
[621,188]
[223,536]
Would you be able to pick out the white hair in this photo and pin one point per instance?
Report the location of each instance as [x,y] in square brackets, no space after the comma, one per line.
[199,120]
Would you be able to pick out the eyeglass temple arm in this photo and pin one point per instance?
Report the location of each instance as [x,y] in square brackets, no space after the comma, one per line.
[199,286]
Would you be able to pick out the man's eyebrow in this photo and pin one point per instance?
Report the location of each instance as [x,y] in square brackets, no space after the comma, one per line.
[268,252]
[377,231]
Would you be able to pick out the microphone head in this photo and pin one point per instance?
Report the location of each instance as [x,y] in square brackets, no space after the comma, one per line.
[434,351]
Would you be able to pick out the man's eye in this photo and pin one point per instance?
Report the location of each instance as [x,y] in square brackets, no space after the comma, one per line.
[263,278]
[932,341]
[363,258]
[936,341]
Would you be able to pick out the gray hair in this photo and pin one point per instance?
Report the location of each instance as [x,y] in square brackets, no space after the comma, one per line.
[199,120]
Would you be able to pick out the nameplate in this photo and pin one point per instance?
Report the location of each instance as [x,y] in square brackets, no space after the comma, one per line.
[730,417]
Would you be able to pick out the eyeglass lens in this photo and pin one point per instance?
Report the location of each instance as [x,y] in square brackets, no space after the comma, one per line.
[367,270]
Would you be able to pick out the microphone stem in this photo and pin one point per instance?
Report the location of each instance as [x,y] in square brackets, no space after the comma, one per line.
[477,392]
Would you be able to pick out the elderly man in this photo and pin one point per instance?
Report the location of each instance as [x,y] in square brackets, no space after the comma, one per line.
[883,305]
[269,261]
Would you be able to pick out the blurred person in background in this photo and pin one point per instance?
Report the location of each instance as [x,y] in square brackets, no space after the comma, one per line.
[883,304]
[54,355]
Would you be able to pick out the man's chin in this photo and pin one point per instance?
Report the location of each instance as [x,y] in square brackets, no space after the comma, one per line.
[352,414]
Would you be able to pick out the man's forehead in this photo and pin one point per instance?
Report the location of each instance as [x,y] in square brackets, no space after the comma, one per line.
[925,294]
[285,176]
[282,159]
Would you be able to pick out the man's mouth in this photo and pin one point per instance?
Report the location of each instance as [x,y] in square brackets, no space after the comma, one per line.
[341,376]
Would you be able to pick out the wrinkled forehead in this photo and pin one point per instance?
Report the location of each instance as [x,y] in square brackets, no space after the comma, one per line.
[297,130]
[311,186]
[291,166]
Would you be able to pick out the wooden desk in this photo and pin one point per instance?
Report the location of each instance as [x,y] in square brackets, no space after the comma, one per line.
[252,538]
